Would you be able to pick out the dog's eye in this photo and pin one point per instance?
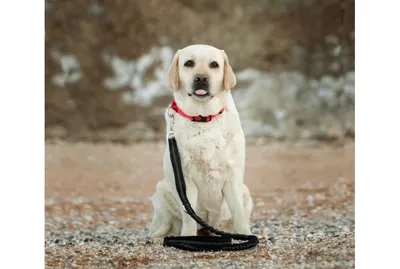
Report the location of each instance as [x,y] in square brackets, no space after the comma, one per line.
[189,63]
[214,65]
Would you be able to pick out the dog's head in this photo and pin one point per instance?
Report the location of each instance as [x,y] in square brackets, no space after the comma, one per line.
[200,72]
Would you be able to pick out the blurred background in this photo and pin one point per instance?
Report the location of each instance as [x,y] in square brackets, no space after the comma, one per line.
[106,63]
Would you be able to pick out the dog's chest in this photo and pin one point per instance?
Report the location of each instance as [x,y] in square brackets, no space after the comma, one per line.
[203,151]
[205,161]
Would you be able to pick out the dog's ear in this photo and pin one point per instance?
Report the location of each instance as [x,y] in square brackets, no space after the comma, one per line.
[229,76]
[173,73]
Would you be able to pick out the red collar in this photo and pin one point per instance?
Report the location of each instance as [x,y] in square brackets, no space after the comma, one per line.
[198,118]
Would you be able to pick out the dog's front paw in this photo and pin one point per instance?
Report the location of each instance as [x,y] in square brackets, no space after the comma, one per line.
[243,229]
[189,232]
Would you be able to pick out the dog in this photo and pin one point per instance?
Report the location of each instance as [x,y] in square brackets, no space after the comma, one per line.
[211,143]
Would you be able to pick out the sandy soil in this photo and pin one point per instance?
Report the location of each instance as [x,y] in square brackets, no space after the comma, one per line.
[98,207]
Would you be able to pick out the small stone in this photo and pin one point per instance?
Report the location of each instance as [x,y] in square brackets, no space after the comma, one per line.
[272,239]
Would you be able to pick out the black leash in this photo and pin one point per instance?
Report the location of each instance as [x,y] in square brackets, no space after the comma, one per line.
[201,243]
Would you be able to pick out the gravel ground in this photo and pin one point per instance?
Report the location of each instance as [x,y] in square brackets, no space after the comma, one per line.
[98,208]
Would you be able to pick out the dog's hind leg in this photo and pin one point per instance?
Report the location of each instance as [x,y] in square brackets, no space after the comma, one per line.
[166,211]
[161,222]
[162,230]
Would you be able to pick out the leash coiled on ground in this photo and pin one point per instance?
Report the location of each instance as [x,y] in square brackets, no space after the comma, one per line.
[201,243]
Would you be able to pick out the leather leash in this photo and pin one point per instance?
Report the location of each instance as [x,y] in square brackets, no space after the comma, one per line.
[223,242]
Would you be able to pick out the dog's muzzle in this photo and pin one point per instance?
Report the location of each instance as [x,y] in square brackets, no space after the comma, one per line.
[200,86]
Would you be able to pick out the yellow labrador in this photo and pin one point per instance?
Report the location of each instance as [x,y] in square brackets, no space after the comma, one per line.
[211,144]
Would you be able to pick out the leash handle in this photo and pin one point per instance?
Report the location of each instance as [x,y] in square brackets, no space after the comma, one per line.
[201,243]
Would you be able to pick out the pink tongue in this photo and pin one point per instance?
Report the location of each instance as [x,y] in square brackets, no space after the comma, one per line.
[201,92]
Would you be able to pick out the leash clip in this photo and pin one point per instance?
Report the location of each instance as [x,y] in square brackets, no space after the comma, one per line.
[171,133]
[184,209]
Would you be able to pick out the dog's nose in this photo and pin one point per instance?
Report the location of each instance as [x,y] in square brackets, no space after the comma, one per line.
[200,78]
